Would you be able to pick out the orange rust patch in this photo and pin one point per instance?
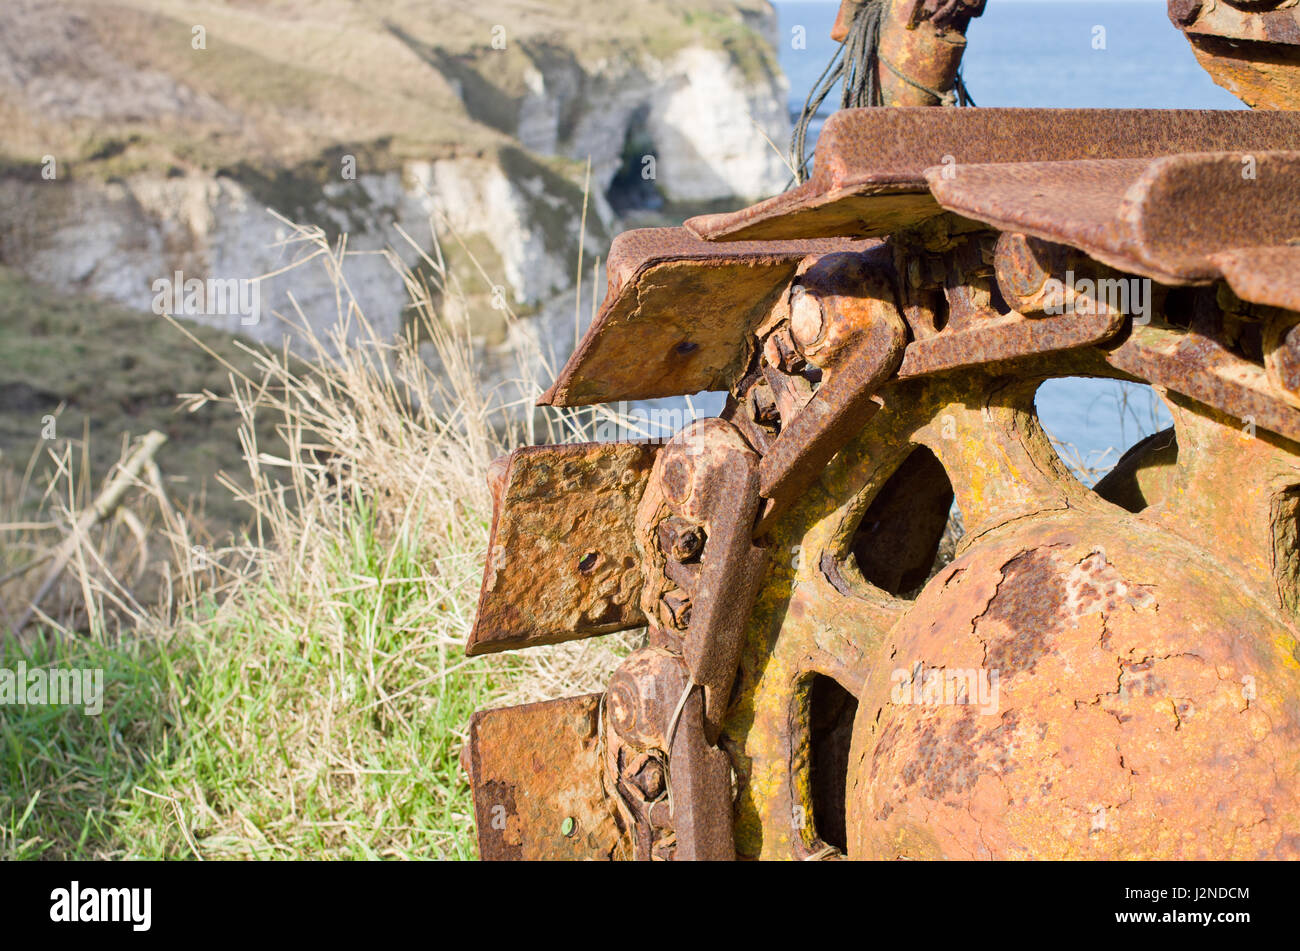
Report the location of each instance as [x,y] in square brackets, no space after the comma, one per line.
[1125,724]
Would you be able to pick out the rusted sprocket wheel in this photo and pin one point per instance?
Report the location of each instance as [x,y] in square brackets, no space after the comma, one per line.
[1082,680]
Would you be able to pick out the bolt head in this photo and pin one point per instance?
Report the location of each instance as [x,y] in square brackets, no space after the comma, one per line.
[780,352]
[650,780]
[807,319]
[678,604]
[763,405]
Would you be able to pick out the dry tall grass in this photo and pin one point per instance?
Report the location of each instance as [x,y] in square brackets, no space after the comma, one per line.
[300,690]
[377,424]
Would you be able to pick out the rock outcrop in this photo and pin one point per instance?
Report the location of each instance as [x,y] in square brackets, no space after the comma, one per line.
[144,146]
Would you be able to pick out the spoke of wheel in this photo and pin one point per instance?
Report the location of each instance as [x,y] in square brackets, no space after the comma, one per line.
[999,460]
[1233,491]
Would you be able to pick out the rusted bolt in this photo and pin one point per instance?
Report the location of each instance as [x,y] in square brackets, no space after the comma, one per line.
[1184,12]
[1039,277]
[684,574]
[1282,354]
[664,639]
[689,470]
[1025,267]
[780,352]
[650,780]
[1290,376]
[1021,275]
[678,603]
[676,477]
[762,404]
[642,695]
[680,539]
[807,320]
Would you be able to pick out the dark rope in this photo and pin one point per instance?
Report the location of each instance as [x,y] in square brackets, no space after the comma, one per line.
[855,65]
[963,94]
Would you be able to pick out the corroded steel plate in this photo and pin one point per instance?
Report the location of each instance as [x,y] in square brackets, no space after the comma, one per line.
[677,314]
[562,561]
[535,770]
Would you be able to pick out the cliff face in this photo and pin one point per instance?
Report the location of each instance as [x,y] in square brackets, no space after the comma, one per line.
[149,137]
[698,111]
[116,239]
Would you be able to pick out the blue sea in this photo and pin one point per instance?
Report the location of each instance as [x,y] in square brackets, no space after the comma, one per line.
[1043,53]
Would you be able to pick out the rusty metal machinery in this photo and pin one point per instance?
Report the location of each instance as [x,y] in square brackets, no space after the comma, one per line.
[1107,672]
[1250,47]
[920,47]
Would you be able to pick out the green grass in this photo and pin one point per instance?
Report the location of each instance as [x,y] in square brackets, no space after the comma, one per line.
[269,728]
[62,773]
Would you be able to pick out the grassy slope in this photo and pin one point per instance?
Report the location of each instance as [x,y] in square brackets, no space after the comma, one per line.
[307,697]
[306,716]
[116,373]
[204,717]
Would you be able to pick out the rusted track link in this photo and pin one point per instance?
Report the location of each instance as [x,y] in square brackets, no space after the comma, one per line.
[562,561]
[688,304]
[535,771]
[870,179]
[1250,47]
[1165,218]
